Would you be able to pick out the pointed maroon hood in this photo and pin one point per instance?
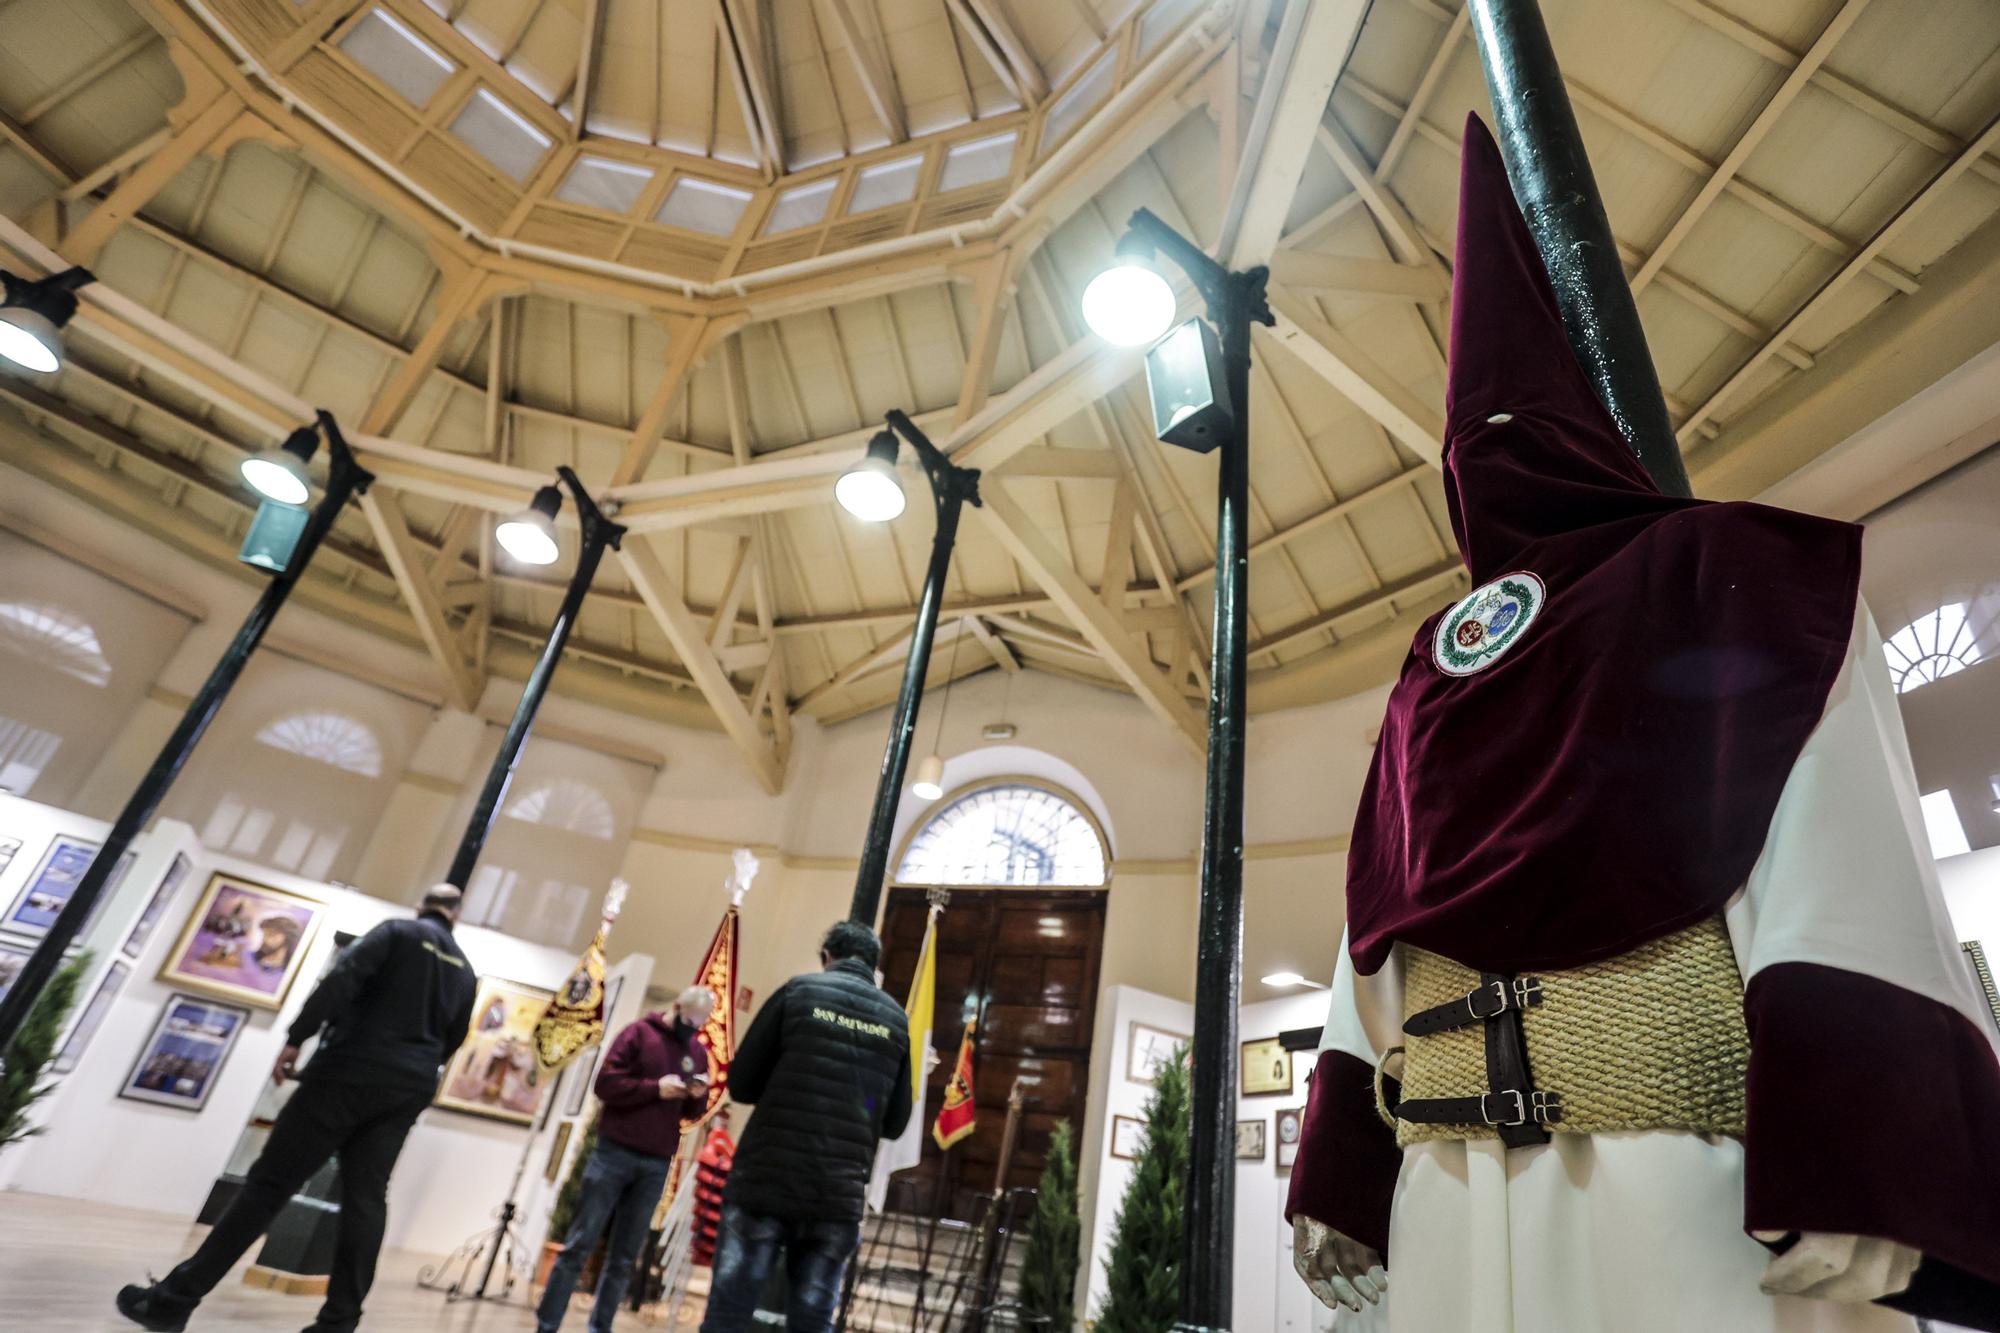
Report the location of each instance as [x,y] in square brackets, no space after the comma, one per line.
[1584,753]
[1509,355]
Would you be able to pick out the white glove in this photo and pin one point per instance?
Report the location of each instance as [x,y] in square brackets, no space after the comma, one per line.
[1839,1268]
[1339,1271]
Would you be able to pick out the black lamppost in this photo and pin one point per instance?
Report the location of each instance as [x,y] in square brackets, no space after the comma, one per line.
[530,538]
[1201,401]
[345,478]
[872,492]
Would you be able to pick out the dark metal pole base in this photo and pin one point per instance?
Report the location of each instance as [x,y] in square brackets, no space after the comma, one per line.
[490,1246]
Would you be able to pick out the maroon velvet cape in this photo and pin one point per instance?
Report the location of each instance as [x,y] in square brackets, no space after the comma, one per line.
[1610,777]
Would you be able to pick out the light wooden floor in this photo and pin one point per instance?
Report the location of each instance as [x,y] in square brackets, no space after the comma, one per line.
[61,1261]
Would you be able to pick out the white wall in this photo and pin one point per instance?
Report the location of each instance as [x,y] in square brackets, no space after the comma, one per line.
[100,1147]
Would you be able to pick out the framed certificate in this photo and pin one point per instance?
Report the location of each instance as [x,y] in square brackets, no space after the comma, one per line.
[1265,1068]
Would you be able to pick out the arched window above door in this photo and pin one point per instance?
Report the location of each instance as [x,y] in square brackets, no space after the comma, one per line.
[1009,833]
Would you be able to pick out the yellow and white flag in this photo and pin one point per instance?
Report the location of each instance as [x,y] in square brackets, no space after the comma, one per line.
[901,1153]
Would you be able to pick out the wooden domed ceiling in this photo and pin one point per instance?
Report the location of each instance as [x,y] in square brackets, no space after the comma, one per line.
[696,248]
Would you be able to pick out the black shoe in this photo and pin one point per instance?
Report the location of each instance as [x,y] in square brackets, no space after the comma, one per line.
[145,1307]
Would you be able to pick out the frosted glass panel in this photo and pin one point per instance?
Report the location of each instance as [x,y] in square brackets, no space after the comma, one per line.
[601,183]
[977,162]
[704,206]
[501,135]
[884,184]
[800,207]
[397,56]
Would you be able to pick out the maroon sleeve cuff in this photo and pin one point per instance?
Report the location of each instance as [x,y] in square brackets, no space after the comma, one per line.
[1872,1112]
[1345,1175]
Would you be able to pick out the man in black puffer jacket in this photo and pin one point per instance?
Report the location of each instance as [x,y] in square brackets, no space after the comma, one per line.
[827,1065]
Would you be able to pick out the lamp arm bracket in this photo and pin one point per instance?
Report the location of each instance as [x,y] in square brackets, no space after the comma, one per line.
[596,524]
[339,456]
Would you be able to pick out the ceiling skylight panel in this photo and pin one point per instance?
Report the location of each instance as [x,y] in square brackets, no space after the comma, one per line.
[977,162]
[501,135]
[800,206]
[600,182]
[704,206]
[384,47]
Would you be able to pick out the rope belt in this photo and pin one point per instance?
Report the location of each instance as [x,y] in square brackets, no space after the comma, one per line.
[1652,1039]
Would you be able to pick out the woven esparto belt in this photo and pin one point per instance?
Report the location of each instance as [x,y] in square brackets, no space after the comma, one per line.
[1652,1039]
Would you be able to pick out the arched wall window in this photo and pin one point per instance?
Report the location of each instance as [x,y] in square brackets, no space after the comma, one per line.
[1935,645]
[299,769]
[561,836]
[1007,832]
[77,653]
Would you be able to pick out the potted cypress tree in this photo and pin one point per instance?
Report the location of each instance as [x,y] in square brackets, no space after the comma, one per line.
[563,1211]
[1144,1275]
[1048,1272]
[34,1046]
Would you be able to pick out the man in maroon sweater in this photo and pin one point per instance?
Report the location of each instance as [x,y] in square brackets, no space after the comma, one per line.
[655,1074]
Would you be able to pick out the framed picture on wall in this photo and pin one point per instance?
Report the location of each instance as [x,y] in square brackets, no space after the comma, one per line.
[495,1073]
[47,891]
[1150,1048]
[1250,1140]
[556,1151]
[92,1016]
[14,956]
[1265,1068]
[244,941]
[1128,1136]
[1982,976]
[1290,1123]
[180,1061]
[156,907]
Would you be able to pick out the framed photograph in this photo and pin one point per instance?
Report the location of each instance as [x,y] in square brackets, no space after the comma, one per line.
[244,941]
[92,1016]
[1249,1140]
[1982,976]
[495,1073]
[180,1061]
[14,956]
[1128,1135]
[156,907]
[1265,1068]
[1149,1049]
[47,891]
[1290,1123]
[556,1151]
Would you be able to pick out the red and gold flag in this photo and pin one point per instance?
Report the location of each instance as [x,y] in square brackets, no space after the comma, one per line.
[718,973]
[574,1019]
[958,1115]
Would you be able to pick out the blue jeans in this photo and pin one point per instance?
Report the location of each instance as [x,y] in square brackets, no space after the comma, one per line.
[816,1255]
[621,1188]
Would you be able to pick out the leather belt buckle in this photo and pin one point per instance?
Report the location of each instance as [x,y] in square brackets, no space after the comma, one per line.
[1517,1116]
[1518,1108]
[1498,989]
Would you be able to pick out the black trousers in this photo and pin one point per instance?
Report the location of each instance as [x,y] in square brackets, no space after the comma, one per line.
[365,1126]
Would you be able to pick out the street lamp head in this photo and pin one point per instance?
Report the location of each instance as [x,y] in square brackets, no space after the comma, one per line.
[1130,303]
[280,473]
[928,785]
[32,313]
[530,536]
[870,489]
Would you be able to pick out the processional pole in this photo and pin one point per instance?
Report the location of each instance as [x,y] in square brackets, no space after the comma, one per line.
[345,478]
[951,488]
[1557,193]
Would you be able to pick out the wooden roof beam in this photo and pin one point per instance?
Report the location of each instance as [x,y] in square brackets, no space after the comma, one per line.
[412,570]
[1004,50]
[1100,624]
[755,91]
[1340,361]
[870,54]
[1746,143]
[685,632]
[1312,47]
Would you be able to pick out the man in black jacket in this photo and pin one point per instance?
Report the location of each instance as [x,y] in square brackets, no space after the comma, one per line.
[827,1065]
[389,1014]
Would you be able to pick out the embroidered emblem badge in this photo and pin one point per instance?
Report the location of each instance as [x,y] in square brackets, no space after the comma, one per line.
[1488,622]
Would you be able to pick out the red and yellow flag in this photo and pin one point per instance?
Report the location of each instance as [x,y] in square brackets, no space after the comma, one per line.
[718,973]
[958,1115]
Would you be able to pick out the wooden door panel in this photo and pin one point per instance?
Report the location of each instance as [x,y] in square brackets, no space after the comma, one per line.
[1031,957]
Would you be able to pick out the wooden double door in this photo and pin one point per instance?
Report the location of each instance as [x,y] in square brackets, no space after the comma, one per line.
[1026,962]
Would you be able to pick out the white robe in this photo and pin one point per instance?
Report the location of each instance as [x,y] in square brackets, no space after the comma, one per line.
[1643,1232]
